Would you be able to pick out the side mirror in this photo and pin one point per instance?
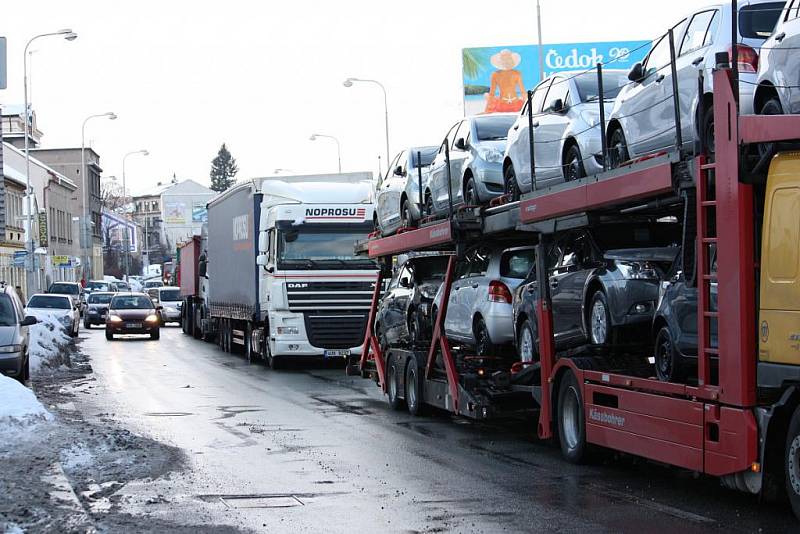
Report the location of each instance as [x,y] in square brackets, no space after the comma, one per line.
[159,308]
[29,320]
[558,105]
[201,269]
[405,282]
[637,73]
[461,144]
[398,171]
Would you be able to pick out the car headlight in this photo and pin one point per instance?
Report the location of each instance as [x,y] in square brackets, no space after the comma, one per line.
[641,271]
[428,292]
[151,318]
[10,348]
[490,155]
[287,330]
[65,319]
[115,318]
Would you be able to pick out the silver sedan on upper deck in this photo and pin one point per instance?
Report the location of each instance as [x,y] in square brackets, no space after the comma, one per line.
[397,199]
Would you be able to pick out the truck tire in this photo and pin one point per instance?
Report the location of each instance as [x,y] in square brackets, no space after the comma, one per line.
[571,424]
[791,462]
[393,385]
[248,342]
[414,388]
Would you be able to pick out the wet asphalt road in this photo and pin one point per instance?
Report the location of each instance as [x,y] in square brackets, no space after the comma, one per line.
[311,450]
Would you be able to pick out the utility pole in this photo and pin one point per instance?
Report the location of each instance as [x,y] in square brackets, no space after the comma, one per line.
[541,50]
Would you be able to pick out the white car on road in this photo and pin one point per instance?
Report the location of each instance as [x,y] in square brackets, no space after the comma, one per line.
[169,298]
[778,89]
[61,307]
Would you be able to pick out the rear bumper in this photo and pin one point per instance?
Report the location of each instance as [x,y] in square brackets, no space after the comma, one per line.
[499,322]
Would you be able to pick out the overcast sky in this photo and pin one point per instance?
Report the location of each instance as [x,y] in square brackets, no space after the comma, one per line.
[185,76]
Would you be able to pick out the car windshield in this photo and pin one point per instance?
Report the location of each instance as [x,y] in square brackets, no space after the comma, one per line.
[587,85]
[426,153]
[100,298]
[322,247]
[171,295]
[493,127]
[430,269]
[49,302]
[131,302]
[64,289]
[757,21]
[97,286]
[517,263]
[8,316]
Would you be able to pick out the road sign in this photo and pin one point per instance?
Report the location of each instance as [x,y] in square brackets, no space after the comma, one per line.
[3,63]
[19,258]
[61,261]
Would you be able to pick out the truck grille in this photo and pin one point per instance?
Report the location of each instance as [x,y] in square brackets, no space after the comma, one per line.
[329,296]
[335,330]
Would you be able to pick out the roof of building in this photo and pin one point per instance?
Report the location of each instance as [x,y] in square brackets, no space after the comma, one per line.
[185,187]
[15,174]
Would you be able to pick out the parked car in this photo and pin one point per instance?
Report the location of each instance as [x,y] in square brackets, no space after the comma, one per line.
[97,285]
[675,325]
[14,323]
[603,290]
[779,64]
[169,299]
[56,305]
[566,131]
[642,119]
[132,313]
[403,314]
[397,198]
[479,312]
[476,145]
[96,308]
[153,282]
[71,289]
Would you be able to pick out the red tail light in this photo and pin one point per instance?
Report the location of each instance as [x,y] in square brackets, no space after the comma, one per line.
[499,292]
[748,58]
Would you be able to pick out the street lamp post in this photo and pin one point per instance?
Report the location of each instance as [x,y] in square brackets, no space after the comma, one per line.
[124,207]
[338,146]
[69,35]
[349,83]
[87,225]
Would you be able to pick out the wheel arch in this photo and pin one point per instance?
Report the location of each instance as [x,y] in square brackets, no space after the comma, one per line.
[775,429]
[764,92]
[593,285]
[708,103]
[568,143]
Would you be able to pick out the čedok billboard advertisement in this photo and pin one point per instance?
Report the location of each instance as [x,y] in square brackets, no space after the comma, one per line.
[496,78]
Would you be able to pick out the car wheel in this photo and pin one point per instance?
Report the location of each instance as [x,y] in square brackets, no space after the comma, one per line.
[770,107]
[471,193]
[87,325]
[375,226]
[571,424]
[526,344]
[668,362]
[791,462]
[406,219]
[617,148]
[428,204]
[393,385]
[483,343]
[109,335]
[707,131]
[573,164]
[24,370]
[155,334]
[275,362]
[510,183]
[413,387]
[599,320]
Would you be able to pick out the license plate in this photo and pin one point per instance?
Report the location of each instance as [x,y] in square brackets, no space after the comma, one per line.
[337,353]
[133,325]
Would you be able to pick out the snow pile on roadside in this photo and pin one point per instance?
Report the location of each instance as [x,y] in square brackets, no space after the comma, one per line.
[49,342]
[19,407]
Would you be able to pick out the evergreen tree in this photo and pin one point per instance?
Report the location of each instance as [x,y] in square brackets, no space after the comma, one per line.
[223,170]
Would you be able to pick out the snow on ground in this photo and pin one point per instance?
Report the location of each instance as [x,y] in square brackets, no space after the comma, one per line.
[19,407]
[49,342]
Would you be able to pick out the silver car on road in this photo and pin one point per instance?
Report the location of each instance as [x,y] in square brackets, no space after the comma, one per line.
[397,203]
[476,145]
[566,131]
[643,119]
[479,311]
[778,89]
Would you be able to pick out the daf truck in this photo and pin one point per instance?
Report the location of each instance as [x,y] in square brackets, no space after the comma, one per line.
[278,278]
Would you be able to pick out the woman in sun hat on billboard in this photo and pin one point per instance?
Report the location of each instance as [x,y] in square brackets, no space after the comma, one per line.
[507,81]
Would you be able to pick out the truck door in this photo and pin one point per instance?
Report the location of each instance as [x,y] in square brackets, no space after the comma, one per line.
[779,310]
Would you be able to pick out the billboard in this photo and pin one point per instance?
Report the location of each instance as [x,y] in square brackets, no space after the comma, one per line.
[175,212]
[199,213]
[496,78]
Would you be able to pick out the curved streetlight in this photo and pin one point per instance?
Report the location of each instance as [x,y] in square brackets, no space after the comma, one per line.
[338,146]
[69,35]
[87,225]
[349,83]
[143,152]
